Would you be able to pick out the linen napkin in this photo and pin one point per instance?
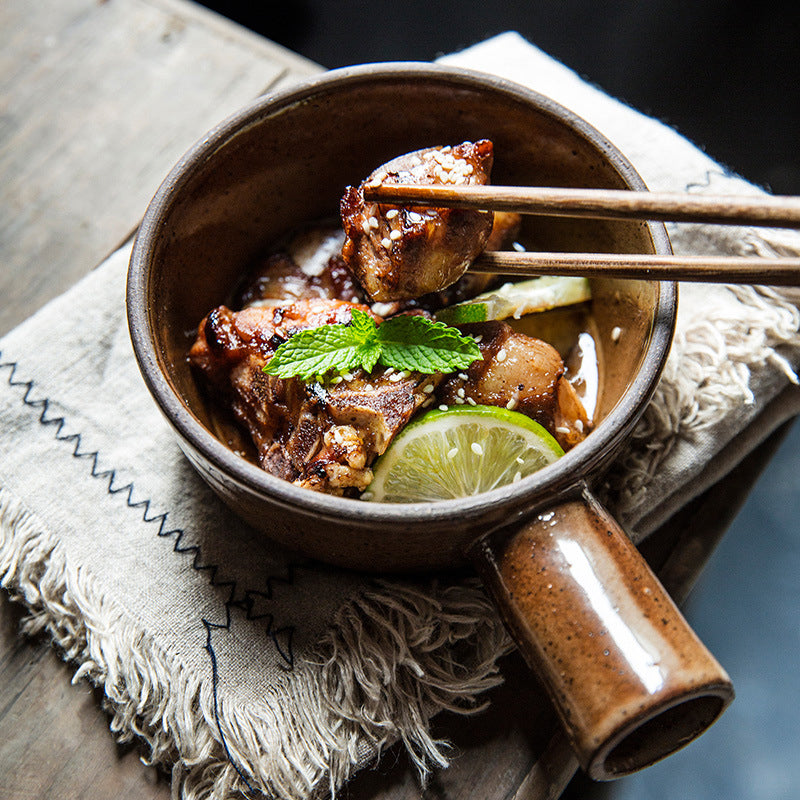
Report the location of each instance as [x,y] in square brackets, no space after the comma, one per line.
[242,666]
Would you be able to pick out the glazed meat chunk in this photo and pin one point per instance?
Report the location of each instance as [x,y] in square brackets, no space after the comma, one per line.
[322,437]
[504,231]
[403,252]
[521,373]
[310,265]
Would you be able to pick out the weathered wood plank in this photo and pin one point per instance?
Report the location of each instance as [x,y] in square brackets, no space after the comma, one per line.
[97,102]
[54,739]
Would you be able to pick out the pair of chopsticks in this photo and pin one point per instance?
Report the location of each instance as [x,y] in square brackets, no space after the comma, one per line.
[766,211]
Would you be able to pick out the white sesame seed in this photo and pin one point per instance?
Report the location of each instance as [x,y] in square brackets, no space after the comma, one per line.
[392,213]
[398,376]
[463,376]
[478,339]
[368,387]
[511,404]
[579,425]
[562,429]
[428,402]
[471,401]
[469,169]
[348,376]
[354,299]
[520,460]
[459,401]
[452,452]
[476,448]
[615,334]
[414,217]
[520,248]
[517,477]
[443,407]
[461,392]
[388,371]
[395,235]
[386,242]
[365,227]
[373,223]
[337,380]
[428,389]
[502,355]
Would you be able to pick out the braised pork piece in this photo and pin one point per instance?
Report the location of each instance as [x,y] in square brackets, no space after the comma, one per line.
[522,374]
[397,253]
[322,437]
[325,434]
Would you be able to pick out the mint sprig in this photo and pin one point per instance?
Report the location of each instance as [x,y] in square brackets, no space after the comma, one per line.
[409,342]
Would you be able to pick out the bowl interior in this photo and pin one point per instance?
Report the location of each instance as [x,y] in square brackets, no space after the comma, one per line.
[286,161]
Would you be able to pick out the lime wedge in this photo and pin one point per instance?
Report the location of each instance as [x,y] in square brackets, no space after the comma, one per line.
[516,299]
[460,452]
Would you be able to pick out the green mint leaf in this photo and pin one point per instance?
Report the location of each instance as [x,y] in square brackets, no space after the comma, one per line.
[315,351]
[363,323]
[414,342]
[406,342]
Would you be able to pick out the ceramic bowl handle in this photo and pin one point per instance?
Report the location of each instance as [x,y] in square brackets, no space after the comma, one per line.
[631,681]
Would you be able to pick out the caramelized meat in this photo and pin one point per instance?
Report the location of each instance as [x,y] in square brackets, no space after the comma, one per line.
[505,228]
[522,373]
[399,252]
[504,231]
[310,266]
[321,437]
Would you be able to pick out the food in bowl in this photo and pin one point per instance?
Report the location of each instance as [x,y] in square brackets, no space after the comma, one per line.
[323,422]
[403,253]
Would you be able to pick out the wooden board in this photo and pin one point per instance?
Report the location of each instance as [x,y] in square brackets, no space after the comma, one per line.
[97,102]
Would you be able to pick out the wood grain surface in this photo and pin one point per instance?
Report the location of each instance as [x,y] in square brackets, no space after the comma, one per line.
[97,101]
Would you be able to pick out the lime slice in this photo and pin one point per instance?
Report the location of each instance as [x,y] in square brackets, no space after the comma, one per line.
[516,299]
[460,452]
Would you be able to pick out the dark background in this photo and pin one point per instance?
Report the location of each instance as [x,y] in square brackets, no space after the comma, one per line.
[727,75]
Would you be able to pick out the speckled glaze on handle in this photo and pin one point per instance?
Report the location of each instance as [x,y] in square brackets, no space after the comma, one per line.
[630,679]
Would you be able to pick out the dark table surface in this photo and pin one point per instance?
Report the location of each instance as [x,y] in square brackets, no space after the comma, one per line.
[724,72]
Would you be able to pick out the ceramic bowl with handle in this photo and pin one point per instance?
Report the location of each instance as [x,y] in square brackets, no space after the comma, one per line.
[629,678]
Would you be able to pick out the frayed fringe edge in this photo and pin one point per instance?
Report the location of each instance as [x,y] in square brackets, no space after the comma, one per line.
[393,657]
[708,374]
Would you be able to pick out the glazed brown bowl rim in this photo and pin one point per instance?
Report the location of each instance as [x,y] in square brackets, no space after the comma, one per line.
[567,472]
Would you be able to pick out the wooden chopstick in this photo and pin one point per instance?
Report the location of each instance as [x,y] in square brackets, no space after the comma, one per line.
[767,210]
[764,211]
[779,271]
